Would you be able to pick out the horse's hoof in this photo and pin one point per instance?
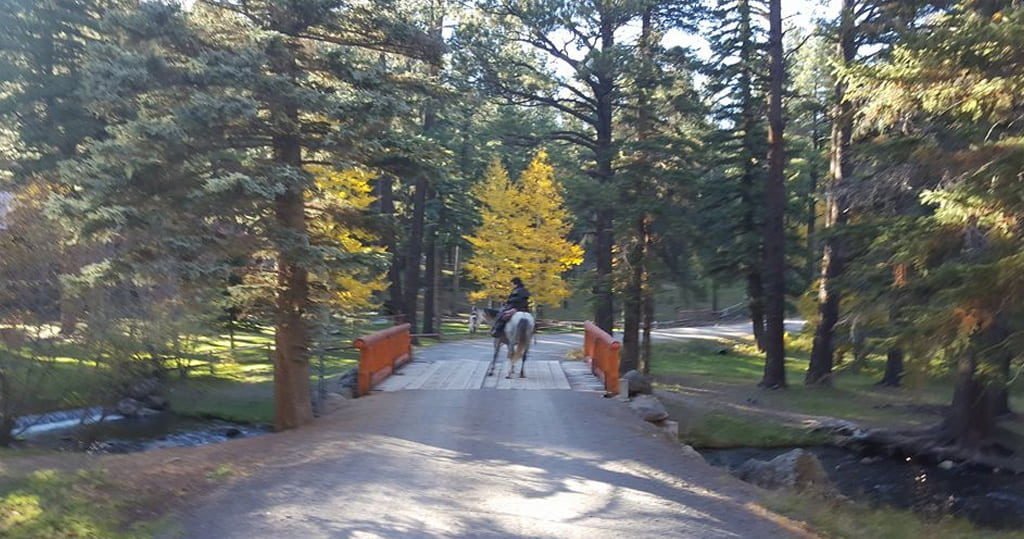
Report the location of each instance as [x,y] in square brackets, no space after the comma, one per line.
[521,375]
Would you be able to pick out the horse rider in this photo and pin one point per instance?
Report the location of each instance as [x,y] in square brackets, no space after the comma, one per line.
[518,300]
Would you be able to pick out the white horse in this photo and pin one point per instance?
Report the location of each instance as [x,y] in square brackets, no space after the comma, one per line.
[517,335]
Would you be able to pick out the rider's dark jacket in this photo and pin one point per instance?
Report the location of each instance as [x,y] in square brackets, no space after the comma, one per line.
[519,299]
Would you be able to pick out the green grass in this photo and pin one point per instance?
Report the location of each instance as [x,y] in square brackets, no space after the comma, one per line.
[726,408]
[221,382]
[849,520]
[242,390]
[718,430]
[53,504]
[854,395]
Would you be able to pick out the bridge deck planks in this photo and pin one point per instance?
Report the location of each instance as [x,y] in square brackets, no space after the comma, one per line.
[465,368]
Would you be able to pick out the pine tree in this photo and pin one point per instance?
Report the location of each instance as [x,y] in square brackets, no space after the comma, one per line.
[734,188]
[948,95]
[774,211]
[581,37]
[42,51]
[215,116]
[861,22]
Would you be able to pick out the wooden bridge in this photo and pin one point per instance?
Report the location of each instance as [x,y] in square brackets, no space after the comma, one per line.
[387,364]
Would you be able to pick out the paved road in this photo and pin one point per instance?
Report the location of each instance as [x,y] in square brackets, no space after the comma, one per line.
[481,463]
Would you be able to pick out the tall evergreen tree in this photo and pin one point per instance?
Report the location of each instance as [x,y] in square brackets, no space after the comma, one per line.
[42,50]
[774,212]
[220,111]
[949,94]
[583,39]
[860,23]
[738,82]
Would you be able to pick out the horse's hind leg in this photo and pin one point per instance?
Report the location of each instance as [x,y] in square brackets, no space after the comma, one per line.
[494,359]
[522,366]
[511,363]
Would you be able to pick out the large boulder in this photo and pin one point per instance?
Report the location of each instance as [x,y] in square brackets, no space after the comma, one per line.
[796,469]
[639,384]
[129,407]
[156,402]
[143,388]
[349,378]
[689,451]
[649,408]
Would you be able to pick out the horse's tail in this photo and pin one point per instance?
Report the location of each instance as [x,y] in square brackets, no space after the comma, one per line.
[522,338]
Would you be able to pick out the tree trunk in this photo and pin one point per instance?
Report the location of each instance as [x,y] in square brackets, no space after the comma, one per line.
[292,404]
[751,229]
[893,376]
[421,188]
[819,372]
[1002,396]
[714,297]
[637,254]
[414,250]
[292,400]
[604,156]
[971,417]
[632,312]
[456,276]
[431,293]
[648,310]
[394,304]
[980,394]
[812,203]
[755,303]
[645,338]
[604,313]
[6,411]
[1000,358]
[775,203]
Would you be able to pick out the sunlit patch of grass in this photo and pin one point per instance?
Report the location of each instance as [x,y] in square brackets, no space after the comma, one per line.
[222,472]
[718,430]
[57,505]
[838,518]
[739,366]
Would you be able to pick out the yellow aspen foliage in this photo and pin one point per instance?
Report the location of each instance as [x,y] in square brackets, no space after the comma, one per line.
[339,200]
[522,233]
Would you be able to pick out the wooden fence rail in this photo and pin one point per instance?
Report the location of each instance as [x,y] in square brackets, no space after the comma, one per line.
[380,354]
[602,353]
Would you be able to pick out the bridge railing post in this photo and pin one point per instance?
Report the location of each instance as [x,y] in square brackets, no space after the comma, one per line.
[380,354]
[602,351]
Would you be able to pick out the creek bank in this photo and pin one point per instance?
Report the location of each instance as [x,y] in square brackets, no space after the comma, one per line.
[978,494]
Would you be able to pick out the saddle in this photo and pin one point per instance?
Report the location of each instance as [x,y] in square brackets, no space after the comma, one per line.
[507,315]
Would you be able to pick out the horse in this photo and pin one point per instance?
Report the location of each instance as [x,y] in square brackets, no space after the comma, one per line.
[517,335]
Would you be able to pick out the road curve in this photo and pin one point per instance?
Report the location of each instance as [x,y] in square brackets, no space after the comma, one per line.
[484,463]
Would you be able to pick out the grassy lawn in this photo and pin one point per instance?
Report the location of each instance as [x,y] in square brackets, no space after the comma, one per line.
[211,380]
[59,504]
[850,520]
[722,407]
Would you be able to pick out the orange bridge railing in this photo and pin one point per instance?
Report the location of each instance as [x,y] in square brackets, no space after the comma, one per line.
[380,354]
[602,353]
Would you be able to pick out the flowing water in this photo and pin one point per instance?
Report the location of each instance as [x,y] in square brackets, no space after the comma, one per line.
[89,429]
[980,495]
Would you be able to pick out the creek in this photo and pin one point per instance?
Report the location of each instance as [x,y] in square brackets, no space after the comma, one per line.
[985,497]
[90,430]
